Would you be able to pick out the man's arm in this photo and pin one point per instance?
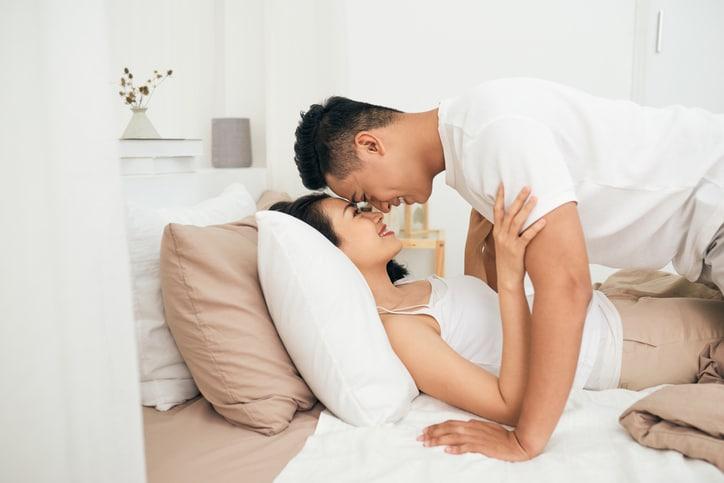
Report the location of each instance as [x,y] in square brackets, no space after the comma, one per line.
[491,272]
[480,250]
[557,263]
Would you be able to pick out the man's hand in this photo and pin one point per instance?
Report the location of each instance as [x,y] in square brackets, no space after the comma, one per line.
[475,436]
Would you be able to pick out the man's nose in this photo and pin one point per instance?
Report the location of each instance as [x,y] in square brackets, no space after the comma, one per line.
[383,206]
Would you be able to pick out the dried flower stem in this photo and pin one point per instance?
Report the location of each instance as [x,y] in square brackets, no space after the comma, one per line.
[133,95]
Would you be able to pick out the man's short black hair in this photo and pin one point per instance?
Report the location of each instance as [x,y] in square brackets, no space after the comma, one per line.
[325,137]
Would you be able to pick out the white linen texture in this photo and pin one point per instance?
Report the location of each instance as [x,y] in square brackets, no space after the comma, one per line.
[587,445]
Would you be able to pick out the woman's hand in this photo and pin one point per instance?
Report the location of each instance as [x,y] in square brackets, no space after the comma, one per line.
[509,246]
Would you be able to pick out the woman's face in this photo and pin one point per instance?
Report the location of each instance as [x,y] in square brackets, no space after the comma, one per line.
[363,236]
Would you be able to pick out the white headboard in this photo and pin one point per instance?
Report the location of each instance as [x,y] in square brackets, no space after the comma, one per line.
[186,189]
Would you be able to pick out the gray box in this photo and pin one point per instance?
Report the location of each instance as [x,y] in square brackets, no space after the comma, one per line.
[230,142]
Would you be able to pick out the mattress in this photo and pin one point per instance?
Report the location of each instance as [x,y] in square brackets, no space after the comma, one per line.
[587,445]
[192,443]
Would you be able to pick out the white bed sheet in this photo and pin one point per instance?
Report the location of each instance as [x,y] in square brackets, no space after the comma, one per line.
[588,445]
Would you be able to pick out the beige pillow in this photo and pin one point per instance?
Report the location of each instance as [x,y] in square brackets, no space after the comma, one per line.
[218,317]
[269,197]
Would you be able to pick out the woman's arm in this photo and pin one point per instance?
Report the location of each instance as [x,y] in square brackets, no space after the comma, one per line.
[514,311]
[444,374]
[515,316]
[441,372]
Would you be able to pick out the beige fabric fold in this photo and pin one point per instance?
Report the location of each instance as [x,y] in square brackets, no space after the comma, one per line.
[711,363]
[686,418]
[642,282]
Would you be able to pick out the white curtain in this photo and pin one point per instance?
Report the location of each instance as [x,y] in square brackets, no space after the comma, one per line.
[69,408]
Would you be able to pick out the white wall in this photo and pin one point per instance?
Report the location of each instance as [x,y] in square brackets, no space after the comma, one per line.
[269,60]
[242,88]
[215,49]
[305,53]
[412,54]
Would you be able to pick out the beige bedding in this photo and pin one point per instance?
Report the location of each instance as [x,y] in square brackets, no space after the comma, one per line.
[685,417]
[192,443]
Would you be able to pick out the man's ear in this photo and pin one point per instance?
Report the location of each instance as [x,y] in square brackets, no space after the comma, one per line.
[367,143]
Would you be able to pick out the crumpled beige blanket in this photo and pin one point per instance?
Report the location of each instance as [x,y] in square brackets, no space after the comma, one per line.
[688,418]
[644,282]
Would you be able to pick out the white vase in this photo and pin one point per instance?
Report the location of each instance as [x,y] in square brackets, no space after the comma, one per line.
[140,127]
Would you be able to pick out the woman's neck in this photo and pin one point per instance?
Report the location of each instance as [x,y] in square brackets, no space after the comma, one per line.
[386,293]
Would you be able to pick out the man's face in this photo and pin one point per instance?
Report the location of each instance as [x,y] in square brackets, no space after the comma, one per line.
[383,184]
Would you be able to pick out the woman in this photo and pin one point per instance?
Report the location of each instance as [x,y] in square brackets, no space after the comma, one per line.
[448,331]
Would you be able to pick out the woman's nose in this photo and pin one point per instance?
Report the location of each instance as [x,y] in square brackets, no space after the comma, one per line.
[375,216]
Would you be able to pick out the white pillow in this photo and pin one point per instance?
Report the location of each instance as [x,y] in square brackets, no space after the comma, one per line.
[326,317]
[165,379]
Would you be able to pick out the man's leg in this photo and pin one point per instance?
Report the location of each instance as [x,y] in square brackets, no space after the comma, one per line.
[712,272]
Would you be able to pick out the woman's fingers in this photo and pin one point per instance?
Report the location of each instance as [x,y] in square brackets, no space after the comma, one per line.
[522,215]
[515,207]
[499,208]
[533,230]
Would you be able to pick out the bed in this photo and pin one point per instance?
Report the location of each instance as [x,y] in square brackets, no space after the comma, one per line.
[587,445]
[193,443]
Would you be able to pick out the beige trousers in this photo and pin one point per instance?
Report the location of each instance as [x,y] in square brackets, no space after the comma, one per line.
[667,321]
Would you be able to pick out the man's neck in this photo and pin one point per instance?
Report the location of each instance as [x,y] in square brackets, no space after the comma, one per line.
[423,129]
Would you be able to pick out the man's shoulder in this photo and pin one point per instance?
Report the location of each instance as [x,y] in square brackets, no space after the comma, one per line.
[515,97]
[513,86]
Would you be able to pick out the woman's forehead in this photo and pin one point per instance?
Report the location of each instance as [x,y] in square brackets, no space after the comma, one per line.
[334,205]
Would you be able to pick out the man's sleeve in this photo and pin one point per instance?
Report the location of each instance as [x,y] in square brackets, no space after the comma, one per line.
[519,151]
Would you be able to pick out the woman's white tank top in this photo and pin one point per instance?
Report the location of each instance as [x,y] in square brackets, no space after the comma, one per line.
[468,313]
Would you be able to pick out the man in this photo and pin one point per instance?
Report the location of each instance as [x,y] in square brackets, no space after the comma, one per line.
[619,184]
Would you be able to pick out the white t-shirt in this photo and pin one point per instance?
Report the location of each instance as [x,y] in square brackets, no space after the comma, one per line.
[606,370]
[649,182]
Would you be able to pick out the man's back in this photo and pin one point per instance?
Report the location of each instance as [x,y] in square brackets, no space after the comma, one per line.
[649,182]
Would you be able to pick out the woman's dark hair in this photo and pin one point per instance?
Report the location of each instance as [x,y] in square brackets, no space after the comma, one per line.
[308,209]
[325,137]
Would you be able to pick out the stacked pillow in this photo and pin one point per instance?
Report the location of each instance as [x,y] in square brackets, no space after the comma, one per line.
[217,315]
[264,332]
[165,379]
[326,316]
